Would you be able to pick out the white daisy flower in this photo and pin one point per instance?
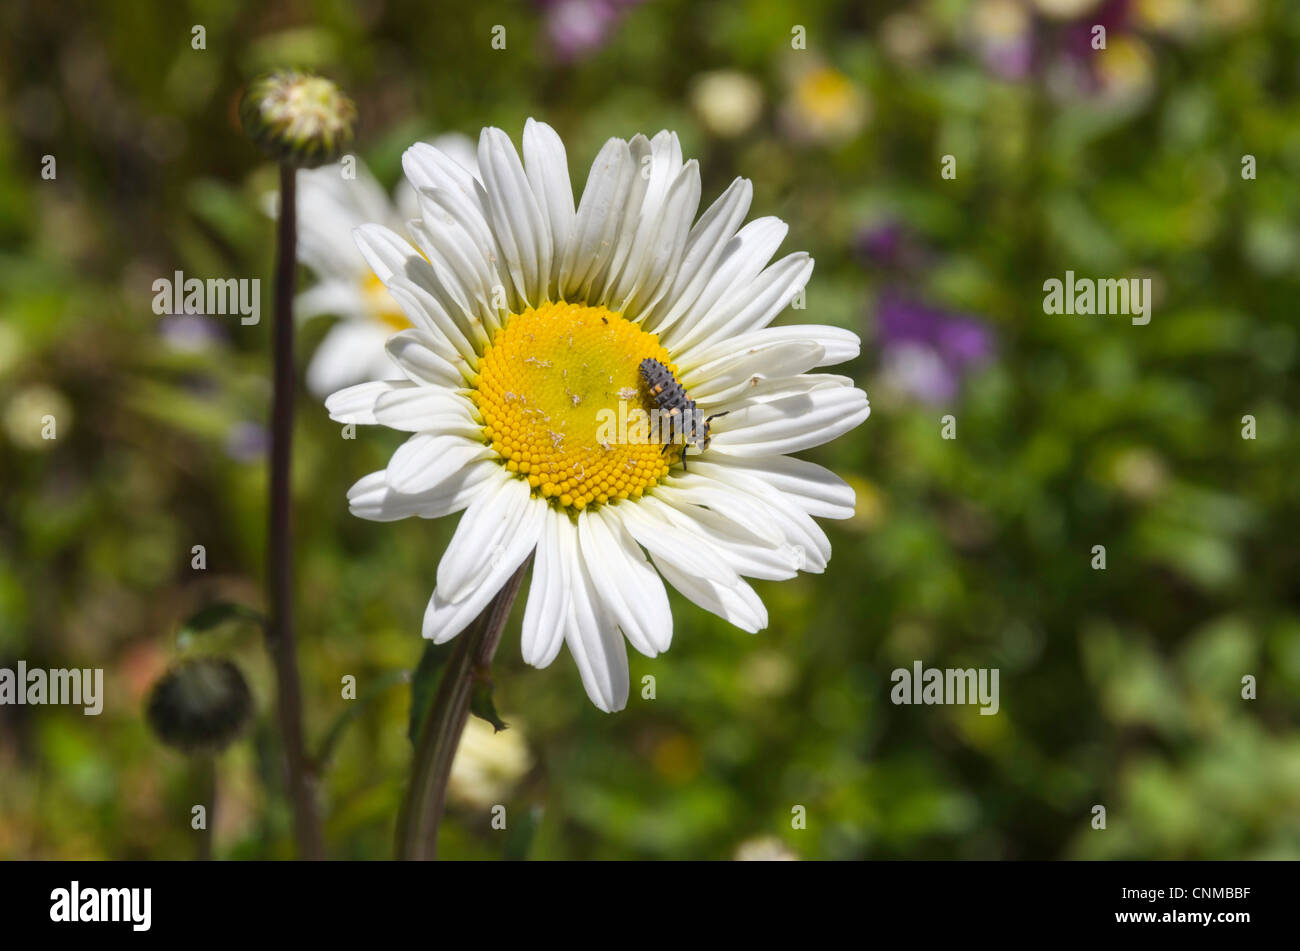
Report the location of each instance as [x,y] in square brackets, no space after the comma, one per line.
[330,206]
[530,323]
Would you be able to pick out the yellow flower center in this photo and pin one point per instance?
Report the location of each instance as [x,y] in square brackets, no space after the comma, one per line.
[380,304]
[556,388]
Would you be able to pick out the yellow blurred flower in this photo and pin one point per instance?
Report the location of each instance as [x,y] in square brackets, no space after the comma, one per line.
[824,105]
[1127,70]
[1166,16]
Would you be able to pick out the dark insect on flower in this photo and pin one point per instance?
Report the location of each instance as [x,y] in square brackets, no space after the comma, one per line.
[673,403]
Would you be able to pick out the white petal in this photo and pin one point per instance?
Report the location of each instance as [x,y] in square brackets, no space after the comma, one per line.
[648,522]
[356,404]
[816,489]
[549,592]
[750,517]
[767,391]
[694,566]
[749,306]
[741,262]
[739,605]
[388,254]
[626,584]
[705,245]
[443,619]
[597,648]
[659,246]
[416,286]
[599,217]
[416,354]
[374,499]
[624,220]
[748,365]
[459,148]
[427,313]
[547,165]
[839,344]
[426,460]
[468,276]
[428,409]
[790,424]
[462,196]
[482,537]
[752,559]
[428,167]
[802,537]
[656,211]
[521,231]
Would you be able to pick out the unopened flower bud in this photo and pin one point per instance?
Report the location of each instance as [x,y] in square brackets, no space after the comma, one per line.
[200,706]
[297,118]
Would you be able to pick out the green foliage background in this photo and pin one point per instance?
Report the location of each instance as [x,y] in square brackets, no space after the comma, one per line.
[1118,687]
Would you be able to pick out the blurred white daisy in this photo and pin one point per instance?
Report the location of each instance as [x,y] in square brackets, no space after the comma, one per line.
[488,764]
[531,322]
[330,206]
[766,848]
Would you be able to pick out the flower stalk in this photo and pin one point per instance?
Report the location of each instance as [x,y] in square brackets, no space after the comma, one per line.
[280,639]
[302,121]
[440,732]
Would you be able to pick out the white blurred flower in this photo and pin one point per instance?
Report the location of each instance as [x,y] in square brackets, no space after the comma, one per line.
[728,102]
[30,410]
[906,37]
[330,208]
[766,848]
[488,763]
[1066,9]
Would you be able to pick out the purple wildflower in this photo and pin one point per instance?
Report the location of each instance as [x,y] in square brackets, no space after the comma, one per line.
[578,27]
[190,333]
[247,442]
[927,351]
[889,244]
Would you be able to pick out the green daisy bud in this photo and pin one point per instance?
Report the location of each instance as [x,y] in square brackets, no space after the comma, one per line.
[296,118]
[200,706]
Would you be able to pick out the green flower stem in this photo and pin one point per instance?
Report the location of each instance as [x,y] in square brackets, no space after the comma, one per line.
[279,631]
[439,736]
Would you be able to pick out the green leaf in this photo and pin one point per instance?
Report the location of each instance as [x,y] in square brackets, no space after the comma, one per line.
[480,704]
[214,615]
[424,684]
